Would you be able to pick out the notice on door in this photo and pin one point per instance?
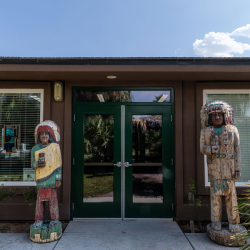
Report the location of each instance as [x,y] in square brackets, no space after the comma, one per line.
[29,174]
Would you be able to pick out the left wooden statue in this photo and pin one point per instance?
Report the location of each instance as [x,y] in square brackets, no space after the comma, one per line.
[47,160]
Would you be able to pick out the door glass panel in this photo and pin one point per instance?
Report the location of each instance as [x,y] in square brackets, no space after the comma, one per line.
[147,159]
[122,96]
[98,182]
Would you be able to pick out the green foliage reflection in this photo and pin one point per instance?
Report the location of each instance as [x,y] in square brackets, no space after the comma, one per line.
[98,138]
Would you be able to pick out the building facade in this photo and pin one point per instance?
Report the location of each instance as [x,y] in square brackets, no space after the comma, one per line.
[130,130]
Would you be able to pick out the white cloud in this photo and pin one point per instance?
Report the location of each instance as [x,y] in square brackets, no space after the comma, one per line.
[219,44]
[242,31]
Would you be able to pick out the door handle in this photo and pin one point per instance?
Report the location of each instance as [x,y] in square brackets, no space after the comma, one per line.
[119,164]
[126,164]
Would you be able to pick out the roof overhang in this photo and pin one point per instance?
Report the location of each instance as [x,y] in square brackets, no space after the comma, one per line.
[126,69]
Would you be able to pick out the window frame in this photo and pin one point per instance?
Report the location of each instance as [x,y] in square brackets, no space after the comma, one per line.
[222,91]
[35,91]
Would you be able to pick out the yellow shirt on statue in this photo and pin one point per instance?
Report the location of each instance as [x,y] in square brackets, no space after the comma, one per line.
[46,176]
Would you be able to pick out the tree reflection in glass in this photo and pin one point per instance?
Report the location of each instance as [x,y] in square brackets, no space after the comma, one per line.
[98,158]
[147,159]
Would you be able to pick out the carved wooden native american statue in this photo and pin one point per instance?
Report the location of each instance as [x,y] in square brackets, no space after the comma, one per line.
[219,140]
[46,159]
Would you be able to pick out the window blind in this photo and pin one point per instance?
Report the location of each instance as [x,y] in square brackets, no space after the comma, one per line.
[241,105]
[19,115]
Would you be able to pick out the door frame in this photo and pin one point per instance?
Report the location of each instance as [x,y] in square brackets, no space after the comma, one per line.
[171,103]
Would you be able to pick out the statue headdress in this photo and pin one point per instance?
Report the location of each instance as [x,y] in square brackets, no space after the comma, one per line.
[216,106]
[50,127]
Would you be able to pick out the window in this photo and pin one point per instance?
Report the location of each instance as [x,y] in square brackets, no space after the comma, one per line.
[122,96]
[20,111]
[240,101]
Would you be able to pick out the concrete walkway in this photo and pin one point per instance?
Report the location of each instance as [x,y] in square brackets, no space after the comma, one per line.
[110,234]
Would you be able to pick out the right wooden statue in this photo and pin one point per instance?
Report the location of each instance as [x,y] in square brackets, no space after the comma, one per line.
[219,141]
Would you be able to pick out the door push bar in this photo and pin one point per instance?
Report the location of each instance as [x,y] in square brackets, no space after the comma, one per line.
[126,164]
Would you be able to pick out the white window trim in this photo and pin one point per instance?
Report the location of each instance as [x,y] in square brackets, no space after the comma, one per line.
[35,91]
[222,91]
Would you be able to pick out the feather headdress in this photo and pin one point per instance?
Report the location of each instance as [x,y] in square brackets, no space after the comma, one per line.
[216,106]
[50,127]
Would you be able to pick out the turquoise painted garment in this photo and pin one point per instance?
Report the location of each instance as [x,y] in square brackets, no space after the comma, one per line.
[218,131]
[222,184]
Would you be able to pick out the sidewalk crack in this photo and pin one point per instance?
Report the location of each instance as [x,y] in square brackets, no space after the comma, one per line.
[189,241]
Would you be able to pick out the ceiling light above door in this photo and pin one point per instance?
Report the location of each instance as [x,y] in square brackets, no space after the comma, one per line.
[111,77]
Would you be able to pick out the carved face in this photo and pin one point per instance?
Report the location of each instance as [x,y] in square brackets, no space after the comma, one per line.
[217,119]
[44,138]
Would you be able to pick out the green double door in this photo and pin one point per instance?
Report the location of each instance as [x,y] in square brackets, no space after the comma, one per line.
[122,165]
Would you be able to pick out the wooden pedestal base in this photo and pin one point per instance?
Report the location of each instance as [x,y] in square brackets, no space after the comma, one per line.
[46,233]
[223,237]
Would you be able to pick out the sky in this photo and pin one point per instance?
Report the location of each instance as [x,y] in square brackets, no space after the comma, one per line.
[128,28]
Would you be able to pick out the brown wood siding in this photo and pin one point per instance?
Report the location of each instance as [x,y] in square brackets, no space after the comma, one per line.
[188,82]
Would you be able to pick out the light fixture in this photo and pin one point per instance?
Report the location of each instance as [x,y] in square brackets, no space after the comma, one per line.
[58,91]
[163,98]
[100,97]
[111,77]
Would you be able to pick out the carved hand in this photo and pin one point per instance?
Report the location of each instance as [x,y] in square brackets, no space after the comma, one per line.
[237,174]
[215,149]
[41,160]
[41,164]
[58,184]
